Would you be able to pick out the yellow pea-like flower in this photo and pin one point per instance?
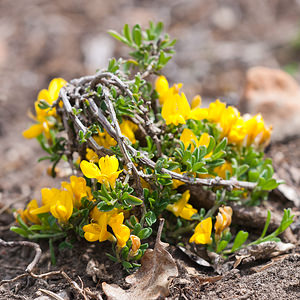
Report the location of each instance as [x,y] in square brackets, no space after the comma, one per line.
[202,232]
[107,172]
[221,170]
[27,214]
[43,124]
[128,128]
[91,155]
[62,208]
[189,138]
[228,119]
[49,197]
[136,244]
[181,208]
[121,231]
[98,230]
[176,109]
[77,187]
[104,139]
[223,219]
[215,111]
[162,87]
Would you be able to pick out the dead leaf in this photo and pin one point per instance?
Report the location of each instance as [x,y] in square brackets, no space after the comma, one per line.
[151,281]
[194,257]
[264,250]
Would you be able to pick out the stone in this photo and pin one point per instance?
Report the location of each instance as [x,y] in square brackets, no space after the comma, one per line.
[276,95]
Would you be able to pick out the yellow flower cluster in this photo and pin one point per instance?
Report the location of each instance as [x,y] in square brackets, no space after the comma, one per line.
[240,130]
[59,202]
[107,173]
[97,230]
[43,117]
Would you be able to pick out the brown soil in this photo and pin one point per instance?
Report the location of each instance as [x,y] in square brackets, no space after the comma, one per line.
[44,39]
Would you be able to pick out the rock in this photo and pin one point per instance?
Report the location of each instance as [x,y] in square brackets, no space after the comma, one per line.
[97,49]
[276,95]
[224,18]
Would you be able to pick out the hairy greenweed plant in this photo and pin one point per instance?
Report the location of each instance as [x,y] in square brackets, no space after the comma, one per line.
[140,147]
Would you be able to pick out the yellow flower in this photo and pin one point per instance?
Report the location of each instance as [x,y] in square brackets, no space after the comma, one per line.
[257,133]
[128,128]
[121,231]
[108,172]
[91,155]
[77,187]
[188,138]
[98,231]
[223,219]
[202,232]
[176,182]
[238,132]
[221,170]
[196,102]
[181,208]
[215,111]
[228,119]
[265,138]
[27,215]
[176,109]
[136,244]
[104,139]
[162,87]
[49,197]
[42,116]
[62,208]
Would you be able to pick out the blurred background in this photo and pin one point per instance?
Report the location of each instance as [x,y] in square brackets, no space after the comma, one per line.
[218,41]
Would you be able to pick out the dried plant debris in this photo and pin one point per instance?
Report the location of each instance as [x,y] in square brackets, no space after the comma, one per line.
[262,251]
[151,281]
[194,257]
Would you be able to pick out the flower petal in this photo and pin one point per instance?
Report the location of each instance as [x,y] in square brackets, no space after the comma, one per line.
[89,170]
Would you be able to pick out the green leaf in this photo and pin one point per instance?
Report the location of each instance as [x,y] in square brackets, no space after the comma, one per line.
[221,246]
[102,206]
[159,28]
[126,32]
[52,253]
[145,233]
[36,227]
[241,170]
[266,225]
[239,240]
[127,265]
[118,37]
[19,231]
[114,259]
[269,184]
[253,175]
[42,104]
[124,252]
[133,200]
[137,35]
[150,218]
[221,146]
